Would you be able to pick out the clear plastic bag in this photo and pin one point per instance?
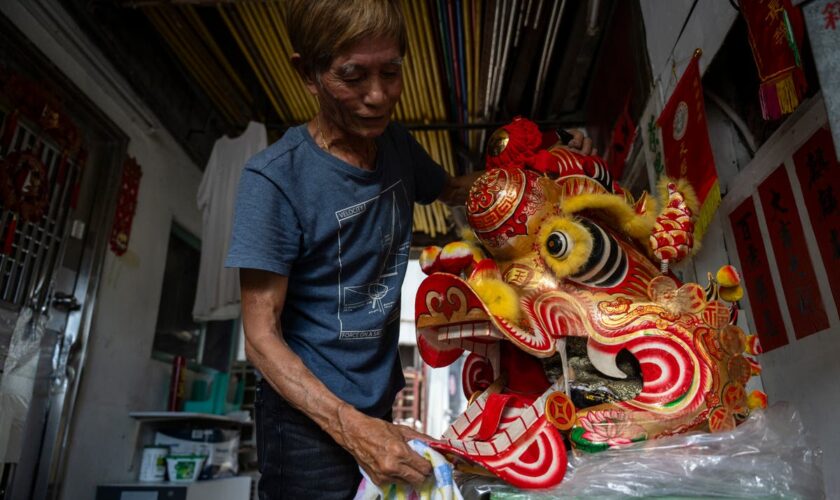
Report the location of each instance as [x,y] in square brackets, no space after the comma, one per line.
[17,381]
[768,456]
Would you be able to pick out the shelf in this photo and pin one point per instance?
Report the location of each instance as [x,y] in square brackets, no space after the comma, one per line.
[229,488]
[182,416]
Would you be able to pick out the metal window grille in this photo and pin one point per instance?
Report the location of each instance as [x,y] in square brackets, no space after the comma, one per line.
[25,270]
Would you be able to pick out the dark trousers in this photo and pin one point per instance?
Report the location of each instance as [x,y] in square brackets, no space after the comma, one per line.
[297,458]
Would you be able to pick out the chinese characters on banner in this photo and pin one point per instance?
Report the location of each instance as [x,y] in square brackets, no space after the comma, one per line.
[831,14]
[799,283]
[756,271]
[817,169]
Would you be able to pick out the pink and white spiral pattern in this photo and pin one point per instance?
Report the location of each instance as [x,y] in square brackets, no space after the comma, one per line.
[477,374]
[674,378]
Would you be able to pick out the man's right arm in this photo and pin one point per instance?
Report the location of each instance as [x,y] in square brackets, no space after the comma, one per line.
[378,446]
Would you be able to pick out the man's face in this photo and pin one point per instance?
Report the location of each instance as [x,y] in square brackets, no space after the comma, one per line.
[360,89]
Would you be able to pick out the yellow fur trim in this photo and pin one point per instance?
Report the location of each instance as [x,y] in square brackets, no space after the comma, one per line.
[731,293]
[456,249]
[466,233]
[579,241]
[728,276]
[428,259]
[499,297]
[645,205]
[624,217]
[683,187]
[469,237]
[757,399]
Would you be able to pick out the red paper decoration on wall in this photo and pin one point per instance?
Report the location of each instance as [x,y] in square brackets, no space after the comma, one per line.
[126,206]
[756,270]
[817,169]
[799,283]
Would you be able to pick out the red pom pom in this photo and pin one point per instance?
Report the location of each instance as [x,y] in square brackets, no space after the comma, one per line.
[513,145]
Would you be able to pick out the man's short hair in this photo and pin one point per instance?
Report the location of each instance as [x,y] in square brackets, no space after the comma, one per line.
[319,30]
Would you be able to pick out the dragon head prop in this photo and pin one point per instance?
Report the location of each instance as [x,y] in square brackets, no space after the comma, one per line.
[576,331]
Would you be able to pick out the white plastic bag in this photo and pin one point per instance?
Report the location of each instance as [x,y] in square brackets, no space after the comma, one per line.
[768,456]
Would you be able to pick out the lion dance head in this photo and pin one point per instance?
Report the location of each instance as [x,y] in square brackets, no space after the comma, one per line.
[577,334]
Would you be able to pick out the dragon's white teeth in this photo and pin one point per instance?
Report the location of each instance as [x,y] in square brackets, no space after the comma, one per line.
[604,362]
[454,333]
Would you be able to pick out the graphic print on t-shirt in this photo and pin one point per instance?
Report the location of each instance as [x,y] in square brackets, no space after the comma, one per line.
[366,307]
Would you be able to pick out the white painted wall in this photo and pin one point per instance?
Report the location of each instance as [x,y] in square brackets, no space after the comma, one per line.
[120,375]
[663,21]
[413,277]
[706,29]
[804,372]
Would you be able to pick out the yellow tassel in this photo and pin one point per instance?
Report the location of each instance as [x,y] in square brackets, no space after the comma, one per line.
[786,92]
[707,214]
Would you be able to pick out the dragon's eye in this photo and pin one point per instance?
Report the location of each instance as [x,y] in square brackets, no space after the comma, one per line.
[558,244]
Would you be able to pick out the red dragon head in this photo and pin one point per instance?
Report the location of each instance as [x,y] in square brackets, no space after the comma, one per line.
[575,332]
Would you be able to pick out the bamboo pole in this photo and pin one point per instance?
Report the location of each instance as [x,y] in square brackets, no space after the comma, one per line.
[408,95]
[167,26]
[297,92]
[309,104]
[201,29]
[261,28]
[433,58]
[412,71]
[256,33]
[251,61]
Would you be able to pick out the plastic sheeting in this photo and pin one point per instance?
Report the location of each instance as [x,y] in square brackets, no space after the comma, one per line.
[18,381]
[768,456]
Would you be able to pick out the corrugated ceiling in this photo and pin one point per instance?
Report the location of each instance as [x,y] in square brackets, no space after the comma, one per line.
[457,73]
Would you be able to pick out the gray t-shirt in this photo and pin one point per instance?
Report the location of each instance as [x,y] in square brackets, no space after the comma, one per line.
[341,234]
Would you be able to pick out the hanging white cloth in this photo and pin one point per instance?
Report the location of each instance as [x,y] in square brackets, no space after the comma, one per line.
[217,294]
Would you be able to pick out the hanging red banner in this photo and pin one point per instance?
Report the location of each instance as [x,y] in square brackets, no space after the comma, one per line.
[623,135]
[756,273]
[685,143]
[817,169]
[126,206]
[793,261]
[775,29]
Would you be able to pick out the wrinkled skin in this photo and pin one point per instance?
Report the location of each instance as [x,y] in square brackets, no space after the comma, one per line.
[575,334]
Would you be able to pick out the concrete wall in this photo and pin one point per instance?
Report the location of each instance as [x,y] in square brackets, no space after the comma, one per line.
[803,372]
[670,50]
[120,375]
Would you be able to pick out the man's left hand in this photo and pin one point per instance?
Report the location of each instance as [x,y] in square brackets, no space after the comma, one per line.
[580,144]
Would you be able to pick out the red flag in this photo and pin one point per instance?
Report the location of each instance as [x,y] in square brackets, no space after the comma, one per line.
[623,135]
[776,31]
[685,143]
